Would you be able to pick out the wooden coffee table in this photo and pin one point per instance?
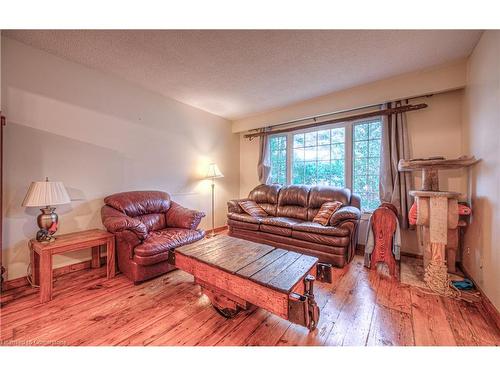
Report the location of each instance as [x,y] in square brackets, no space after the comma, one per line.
[236,274]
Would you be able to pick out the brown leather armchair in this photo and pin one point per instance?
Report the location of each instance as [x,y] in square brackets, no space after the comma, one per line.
[289,225]
[147,224]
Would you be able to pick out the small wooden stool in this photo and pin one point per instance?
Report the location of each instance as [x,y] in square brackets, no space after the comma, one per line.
[384,224]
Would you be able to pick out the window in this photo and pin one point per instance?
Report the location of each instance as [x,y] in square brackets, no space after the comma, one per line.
[278,159]
[340,155]
[319,157]
[366,162]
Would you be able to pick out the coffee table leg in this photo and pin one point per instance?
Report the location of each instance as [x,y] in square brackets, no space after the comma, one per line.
[110,260]
[45,277]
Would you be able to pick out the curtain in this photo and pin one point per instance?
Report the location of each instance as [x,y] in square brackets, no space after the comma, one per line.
[394,185]
[264,165]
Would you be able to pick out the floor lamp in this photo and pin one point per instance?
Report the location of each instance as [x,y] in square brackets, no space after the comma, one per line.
[213,172]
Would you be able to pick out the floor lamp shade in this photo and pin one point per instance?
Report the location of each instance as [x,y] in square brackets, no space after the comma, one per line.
[213,172]
[46,194]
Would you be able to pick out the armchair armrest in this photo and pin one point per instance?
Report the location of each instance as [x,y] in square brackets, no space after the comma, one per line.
[178,216]
[345,213]
[116,221]
[234,205]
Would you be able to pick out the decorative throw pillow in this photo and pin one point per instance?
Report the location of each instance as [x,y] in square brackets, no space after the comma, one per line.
[253,209]
[326,211]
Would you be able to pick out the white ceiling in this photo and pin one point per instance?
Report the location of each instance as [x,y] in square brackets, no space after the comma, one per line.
[237,73]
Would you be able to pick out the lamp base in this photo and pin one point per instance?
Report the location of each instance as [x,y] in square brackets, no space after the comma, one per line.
[47,222]
[44,236]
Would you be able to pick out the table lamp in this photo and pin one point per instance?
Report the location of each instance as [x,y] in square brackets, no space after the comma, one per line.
[46,193]
[213,172]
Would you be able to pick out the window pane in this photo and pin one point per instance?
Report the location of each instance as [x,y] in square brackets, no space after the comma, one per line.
[282,156]
[273,143]
[298,173]
[298,154]
[324,137]
[360,132]
[310,153]
[361,149]
[338,151]
[374,148]
[338,135]
[366,163]
[374,166]
[376,130]
[278,159]
[338,172]
[310,173]
[323,173]
[324,152]
[361,166]
[298,140]
[311,139]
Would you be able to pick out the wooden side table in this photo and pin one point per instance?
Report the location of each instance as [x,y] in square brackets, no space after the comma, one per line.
[41,255]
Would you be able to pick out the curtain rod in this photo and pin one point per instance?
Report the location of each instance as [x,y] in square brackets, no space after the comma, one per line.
[382,112]
[332,114]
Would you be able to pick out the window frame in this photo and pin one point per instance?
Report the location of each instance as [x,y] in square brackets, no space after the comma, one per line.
[349,149]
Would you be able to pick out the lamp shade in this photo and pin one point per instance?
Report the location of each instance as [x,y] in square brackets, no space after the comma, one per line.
[213,171]
[46,193]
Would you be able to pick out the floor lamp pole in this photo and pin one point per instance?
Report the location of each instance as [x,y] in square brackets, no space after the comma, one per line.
[213,207]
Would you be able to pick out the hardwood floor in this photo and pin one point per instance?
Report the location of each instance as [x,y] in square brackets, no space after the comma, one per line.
[360,307]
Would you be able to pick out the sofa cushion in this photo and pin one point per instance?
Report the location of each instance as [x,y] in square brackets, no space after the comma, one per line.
[292,202]
[135,203]
[326,211]
[243,224]
[166,239]
[321,238]
[282,231]
[311,227]
[244,217]
[253,209]
[318,195]
[150,260]
[266,196]
[285,222]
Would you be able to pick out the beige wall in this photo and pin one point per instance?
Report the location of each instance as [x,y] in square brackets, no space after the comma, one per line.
[481,130]
[436,130]
[427,81]
[99,135]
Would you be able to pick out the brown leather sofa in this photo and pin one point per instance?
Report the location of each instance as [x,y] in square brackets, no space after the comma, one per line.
[147,224]
[289,225]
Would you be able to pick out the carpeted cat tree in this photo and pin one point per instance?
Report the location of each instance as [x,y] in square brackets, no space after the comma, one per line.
[437,216]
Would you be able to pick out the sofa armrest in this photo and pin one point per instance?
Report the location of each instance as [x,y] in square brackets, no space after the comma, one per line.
[234,205]
[345,213]
[178,216]
[116,221]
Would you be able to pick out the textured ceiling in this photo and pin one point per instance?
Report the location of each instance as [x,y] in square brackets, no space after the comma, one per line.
[237,73]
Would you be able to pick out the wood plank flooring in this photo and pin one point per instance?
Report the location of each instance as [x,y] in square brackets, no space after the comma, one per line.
[360,307]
